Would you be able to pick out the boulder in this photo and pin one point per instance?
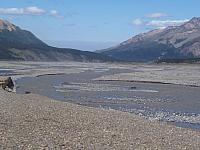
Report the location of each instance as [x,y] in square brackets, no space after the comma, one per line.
[6,83]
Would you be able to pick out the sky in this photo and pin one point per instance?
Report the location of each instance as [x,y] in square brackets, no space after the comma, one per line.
[95,24]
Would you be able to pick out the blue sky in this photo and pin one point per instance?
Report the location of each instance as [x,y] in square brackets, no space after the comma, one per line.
[100,22]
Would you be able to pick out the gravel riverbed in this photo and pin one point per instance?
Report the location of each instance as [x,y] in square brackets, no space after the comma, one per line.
[37,122]
[32,121]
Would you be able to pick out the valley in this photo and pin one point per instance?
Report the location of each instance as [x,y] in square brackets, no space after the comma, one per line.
[168,93]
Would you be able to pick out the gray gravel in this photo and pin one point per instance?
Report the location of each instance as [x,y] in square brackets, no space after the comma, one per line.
[36,122]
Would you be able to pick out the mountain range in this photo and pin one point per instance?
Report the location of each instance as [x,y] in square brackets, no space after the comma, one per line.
[170,43]
[18,44]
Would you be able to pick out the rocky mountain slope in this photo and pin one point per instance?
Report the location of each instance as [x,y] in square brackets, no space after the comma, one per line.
[174,42]
[18,44]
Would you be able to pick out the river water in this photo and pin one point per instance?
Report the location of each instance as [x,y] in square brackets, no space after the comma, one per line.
[176,104]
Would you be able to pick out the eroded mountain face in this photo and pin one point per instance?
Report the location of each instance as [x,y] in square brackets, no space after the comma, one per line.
[5,25]
[172,42]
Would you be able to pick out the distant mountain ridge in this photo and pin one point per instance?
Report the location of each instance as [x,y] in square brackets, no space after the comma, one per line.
[18,44]
[174,42]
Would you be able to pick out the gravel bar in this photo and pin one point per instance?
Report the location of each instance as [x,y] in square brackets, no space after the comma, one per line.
[36,122]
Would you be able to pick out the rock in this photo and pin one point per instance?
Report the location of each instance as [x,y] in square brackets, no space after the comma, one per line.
[6,83]
[133,88]
[27,92]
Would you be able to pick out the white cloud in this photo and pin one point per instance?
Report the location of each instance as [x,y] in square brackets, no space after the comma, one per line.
[34,10]
[165,23]
[11,11]
[54,12]
[137,22]
[153,20]
[158,23]
[22,11]
[156,15]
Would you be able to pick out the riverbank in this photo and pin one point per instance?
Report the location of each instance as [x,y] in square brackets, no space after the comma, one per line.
[37,122]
